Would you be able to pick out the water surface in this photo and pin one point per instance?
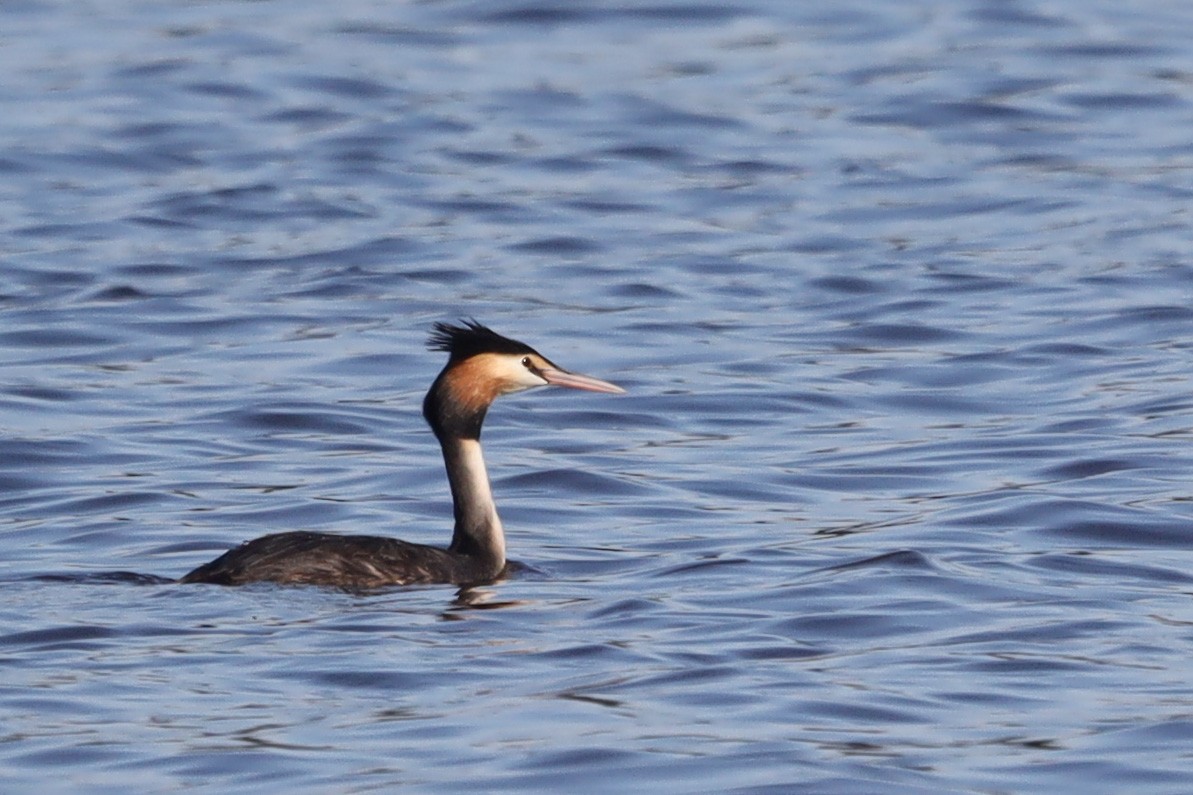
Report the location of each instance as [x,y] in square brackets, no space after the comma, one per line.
[899,499]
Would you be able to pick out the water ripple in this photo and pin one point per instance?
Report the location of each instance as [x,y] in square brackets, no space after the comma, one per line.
[897,499]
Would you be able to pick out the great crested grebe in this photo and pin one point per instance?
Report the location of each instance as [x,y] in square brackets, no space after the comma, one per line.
[482,365]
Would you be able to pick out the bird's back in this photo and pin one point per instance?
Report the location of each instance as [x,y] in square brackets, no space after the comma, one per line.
[342,561]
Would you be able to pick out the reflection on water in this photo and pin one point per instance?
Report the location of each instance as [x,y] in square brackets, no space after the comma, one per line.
[898,499]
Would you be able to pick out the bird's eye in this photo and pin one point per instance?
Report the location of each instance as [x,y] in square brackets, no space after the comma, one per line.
[529,365]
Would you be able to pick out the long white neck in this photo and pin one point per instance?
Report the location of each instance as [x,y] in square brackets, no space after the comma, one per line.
[478,531]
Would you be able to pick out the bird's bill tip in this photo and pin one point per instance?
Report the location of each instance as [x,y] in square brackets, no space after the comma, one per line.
[556,377]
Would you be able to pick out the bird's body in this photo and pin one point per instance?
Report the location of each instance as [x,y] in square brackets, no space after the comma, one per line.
[348,561]
[482,366]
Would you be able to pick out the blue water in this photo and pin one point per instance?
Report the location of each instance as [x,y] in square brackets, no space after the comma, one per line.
[899,500]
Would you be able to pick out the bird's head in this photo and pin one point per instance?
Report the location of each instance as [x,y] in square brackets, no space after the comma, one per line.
[482,365]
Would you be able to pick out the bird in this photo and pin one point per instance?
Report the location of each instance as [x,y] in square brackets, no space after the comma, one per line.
[482,366]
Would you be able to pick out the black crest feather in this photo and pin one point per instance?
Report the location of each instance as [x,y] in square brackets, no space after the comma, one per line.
[471,339]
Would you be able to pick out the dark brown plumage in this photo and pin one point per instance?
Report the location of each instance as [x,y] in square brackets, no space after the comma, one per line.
[349,561]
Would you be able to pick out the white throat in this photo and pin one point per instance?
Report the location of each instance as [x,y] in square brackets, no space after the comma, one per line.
[478,529]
